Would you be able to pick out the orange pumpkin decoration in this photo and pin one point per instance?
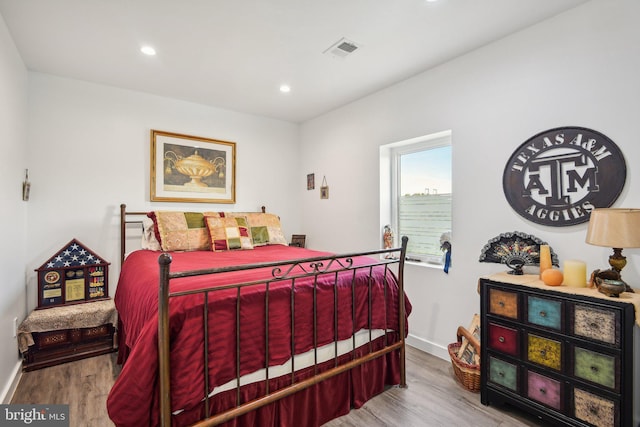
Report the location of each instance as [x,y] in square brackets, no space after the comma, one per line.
[552,277]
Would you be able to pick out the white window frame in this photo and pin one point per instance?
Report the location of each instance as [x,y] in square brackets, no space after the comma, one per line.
[390,179]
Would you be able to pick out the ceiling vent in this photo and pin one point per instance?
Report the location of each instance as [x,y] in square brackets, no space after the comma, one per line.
[342,48]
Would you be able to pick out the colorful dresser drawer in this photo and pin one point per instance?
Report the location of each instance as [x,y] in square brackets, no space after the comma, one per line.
[595,410]
[503,303]
[544,312]
[597,324]
[544,351]
[595,367]
[503,339]
[544,390]
[503,373]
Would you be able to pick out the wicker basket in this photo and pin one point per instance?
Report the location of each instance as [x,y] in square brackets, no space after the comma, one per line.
[467,374]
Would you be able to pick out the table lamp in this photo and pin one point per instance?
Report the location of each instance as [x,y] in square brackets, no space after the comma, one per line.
[616,228]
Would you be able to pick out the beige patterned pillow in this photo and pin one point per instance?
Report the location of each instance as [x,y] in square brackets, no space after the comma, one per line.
[181,231]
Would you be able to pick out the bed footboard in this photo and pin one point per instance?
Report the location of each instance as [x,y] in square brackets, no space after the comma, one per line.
[369,295]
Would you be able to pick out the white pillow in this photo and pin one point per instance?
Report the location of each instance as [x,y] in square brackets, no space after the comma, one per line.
[149,240]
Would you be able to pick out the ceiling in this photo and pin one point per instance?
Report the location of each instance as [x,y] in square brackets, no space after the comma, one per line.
[235,54]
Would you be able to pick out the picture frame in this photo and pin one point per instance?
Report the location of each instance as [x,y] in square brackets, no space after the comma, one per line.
[187,168]
[324,192]
[298,240]
[324,189]
[311,181]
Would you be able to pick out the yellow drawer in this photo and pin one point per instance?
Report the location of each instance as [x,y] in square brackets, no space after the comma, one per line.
[544,351]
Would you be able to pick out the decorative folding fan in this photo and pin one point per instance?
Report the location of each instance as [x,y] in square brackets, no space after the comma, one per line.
[515,249]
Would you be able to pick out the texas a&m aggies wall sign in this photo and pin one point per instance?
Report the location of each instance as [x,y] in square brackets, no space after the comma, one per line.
[559,176]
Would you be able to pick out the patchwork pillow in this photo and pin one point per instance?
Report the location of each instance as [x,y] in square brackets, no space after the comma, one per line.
[181,231]
[265,229]
[228,233]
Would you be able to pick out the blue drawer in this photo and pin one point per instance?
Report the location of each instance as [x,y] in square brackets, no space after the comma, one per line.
[544,312]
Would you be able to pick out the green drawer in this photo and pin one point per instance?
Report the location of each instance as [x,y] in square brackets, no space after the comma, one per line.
[503,373]
[595,367]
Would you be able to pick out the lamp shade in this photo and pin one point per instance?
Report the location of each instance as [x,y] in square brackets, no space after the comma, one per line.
[614,228]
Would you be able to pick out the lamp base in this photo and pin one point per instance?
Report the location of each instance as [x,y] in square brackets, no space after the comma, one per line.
[617,261]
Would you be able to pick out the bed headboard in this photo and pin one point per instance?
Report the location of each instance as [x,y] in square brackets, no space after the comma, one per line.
[134,217]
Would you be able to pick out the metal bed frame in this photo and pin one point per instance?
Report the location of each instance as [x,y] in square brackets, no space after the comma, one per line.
[290,271]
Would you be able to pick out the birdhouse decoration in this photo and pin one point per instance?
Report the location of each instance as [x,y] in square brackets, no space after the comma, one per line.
[73,275]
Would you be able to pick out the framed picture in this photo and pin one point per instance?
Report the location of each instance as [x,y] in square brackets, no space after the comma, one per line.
[324,189]
[298,240]
[311,181]
[187,168]
[324,192]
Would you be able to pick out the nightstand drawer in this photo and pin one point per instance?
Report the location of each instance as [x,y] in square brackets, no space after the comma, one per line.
[597,324]
[595,367]
[544,351]
[51,338]
[594,409]
[503,303]
[544,312]
[503,373]
[503,339]
[544,390]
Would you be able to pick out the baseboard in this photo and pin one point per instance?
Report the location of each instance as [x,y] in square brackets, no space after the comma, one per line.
[12,384]
[428,347]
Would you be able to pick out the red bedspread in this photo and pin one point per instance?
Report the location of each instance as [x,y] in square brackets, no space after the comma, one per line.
[134,396]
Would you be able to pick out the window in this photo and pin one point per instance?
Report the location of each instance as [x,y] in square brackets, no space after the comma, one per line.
[416,194]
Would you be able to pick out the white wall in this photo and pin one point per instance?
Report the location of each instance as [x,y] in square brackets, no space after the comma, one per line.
[89,150]
[578,69]
[13,211]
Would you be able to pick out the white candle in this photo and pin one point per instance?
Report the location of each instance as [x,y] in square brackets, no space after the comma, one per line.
[575,273]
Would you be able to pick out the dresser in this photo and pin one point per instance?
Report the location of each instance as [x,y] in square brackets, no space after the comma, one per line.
[565,357]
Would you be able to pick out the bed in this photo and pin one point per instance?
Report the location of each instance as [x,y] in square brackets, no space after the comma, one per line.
[238,328]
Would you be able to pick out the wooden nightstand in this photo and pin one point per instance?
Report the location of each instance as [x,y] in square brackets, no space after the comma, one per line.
[64,334]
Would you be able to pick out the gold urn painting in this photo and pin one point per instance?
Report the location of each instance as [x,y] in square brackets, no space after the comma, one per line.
[188,168]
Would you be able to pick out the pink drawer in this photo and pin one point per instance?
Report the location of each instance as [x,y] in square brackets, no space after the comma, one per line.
[544,390]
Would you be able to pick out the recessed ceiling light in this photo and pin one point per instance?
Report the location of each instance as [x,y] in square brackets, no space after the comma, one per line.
[148,50]
[285,88]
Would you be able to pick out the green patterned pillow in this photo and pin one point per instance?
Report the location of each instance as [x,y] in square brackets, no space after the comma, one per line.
[228,233]
[265,228]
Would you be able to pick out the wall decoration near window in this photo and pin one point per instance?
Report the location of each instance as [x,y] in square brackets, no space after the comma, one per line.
[311,181]
[324,189]
[515,250]
[26,186]
[559,176]
[187,168]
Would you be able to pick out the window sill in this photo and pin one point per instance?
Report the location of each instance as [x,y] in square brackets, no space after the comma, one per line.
[424,264]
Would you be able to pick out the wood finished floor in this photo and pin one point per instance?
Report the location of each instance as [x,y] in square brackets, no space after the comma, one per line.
[433,396]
